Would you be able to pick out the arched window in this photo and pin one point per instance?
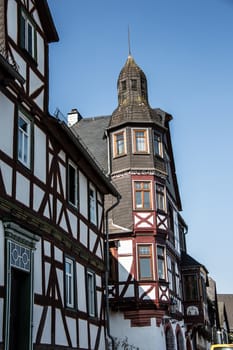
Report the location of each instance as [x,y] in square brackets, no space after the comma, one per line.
[170,339]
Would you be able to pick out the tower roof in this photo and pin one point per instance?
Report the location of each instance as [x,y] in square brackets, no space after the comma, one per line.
[133,105]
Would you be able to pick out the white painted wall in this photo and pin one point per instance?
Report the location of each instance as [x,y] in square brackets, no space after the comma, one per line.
[7,177]
[12,19]
[39,154]
[7,119]
[83,194]
[145,338]
[22,189]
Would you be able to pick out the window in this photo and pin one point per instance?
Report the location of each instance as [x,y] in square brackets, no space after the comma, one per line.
[161,262]
[190,287]
[24,140]
[158,146]
[145,265]
[91,294]
[119,144]
[92,204]
[123,85]
[171,236]
[27,34]
[134,84]
[142,194]
[160,197]
[140,141]
[69,282]
[72,184]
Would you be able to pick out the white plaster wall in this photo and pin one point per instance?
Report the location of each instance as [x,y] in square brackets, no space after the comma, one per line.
[93,332]
[73,223]
[124,266]
[34,84]
[83,194]
[22,189]
[7,119]
[81,290]
[21,63]
[71,324]
[38,269]
[37,313]
[39,154]
[145,338]
[1,319]
[46,335]
[83,334]
[92,240]
[83,233]
[60,335]
[37,197]
[125,247]
[62,187]
[7,177]
[12,19]
[40,54]
[2,245]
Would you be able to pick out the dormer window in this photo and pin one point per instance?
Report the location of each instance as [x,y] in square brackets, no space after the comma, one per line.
[27,34]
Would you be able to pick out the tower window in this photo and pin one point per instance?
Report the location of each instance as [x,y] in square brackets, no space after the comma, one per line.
[119,146]
[142,195]
[134,84]
[158,146]
[140,140]
[160,197]
[145,264]
[123,85]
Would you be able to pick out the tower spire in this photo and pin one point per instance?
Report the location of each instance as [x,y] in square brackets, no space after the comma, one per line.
[129,48]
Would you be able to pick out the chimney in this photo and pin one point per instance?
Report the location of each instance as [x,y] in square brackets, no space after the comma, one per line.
[73,117]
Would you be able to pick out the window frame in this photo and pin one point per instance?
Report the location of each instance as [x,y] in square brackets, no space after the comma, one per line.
[91,294]
[28,135]
[142,191]
[160,197]
[145,139]
[149,257]
[116,147]
[28,41]
[161,258]
[74,202]
[69,280]
[92,200]
[158,144]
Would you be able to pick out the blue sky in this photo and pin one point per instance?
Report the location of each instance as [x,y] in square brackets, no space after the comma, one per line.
[185,48]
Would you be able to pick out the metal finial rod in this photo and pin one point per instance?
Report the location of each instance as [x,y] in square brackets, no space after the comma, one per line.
[129,42]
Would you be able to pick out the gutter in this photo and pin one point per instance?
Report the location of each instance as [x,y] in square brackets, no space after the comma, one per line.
[107,270]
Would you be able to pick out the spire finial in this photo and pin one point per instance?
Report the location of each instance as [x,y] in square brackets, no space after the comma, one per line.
[129,41]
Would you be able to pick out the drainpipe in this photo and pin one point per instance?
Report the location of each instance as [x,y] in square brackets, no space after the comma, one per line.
[107,269]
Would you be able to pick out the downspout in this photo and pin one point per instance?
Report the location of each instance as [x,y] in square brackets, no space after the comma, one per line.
[107,269]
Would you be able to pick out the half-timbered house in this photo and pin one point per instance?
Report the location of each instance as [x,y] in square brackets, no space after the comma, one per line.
[147,232]
[51,201]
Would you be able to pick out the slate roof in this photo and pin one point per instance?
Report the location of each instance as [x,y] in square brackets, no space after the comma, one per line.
[92,132]
[189,261]
[228,300]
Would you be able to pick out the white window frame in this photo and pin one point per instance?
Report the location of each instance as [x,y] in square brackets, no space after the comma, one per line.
[24,140]
[75,186]
[69,282]
[91,293]
[146,138]
[92,204]
[28,42]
